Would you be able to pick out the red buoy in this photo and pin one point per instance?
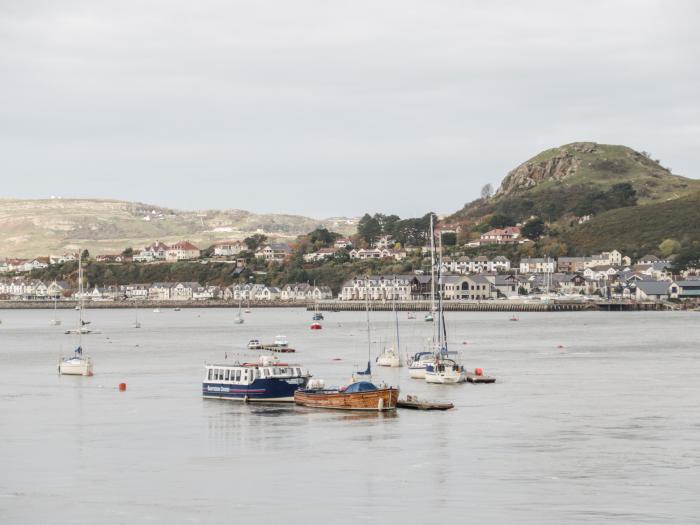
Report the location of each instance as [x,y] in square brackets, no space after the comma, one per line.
[479,371]
[122,387]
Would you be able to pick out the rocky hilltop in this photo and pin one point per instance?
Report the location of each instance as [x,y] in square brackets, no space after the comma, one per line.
[53,226]
[589,163]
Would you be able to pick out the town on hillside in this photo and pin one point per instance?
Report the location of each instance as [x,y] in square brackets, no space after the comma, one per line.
[380,270]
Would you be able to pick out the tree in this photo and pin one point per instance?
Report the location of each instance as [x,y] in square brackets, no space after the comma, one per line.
[688,257]
[255,241]
[449,238]
[533,229]
[322,237]
[500,220]
[128,252]
[369,228]
[85,255]
[669,247]
[487,191]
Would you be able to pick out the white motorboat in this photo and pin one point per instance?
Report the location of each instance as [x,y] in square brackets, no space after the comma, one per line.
[417,364]
[156,310]
[280,341]
[254,344]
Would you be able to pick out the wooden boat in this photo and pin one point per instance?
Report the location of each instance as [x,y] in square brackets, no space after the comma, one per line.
[414,403]
[361,395]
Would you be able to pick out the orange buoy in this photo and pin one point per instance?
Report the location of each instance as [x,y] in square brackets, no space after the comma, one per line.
[479,371]
[122,387]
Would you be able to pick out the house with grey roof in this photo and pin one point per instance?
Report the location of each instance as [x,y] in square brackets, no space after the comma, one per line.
[652,290]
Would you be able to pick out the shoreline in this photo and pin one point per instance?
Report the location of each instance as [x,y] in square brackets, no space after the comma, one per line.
[344,306]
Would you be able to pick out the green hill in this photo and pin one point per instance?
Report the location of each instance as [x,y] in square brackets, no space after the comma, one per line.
[639,230]
[582,178]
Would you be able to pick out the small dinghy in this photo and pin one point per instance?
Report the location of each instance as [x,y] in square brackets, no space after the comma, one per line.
[414,403]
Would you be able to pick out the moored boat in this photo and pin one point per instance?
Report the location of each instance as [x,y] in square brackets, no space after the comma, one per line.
[444,371]
[75,365]
[361,395]
[254,344]
[389,357]
[268,380]
[417,364]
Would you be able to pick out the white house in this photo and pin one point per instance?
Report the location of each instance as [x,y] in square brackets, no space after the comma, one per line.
[377,253]
[378,288]
[538,265]
[159,292]
[183,291]
[153,252]
[228,248]
[276,251]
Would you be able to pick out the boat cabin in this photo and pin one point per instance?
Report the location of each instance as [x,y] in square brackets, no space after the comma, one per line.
[246,373]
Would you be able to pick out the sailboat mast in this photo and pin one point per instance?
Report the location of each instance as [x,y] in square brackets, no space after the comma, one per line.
[369,335]
[432,265]
[80,300]
[396,315]
[442,331]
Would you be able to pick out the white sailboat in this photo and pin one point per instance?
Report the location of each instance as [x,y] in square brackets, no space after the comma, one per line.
[366,374]
[78,364]
[444,370]
[239,318]
[390,356]
[55,321]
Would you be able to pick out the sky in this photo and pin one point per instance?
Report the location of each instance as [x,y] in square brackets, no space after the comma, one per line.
[332,108]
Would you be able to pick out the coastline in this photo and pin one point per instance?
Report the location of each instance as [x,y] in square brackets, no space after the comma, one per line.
[329,306]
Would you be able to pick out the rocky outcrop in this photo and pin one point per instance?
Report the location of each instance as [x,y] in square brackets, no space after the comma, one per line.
[557,165]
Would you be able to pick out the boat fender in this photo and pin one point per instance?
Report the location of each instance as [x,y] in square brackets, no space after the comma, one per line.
[479,371]
[380,404]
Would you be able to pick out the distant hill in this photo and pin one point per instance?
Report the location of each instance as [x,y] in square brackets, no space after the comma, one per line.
[582,178]
[600,165]
[29,228]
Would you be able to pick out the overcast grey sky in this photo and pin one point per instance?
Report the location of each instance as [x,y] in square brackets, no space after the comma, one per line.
[332,108]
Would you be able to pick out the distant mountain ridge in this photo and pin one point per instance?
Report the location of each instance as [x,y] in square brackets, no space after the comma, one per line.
[29,228]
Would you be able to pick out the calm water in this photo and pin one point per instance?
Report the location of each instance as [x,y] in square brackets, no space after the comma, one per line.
[606,428]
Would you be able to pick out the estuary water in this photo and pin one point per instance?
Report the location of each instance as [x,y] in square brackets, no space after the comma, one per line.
[595,417]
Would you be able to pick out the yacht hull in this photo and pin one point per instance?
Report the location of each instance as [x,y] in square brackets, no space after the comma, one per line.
[75,367]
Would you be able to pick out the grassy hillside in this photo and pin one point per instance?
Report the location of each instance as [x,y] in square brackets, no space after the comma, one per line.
[582,178]
[597,165]
[29,228]
[638,230]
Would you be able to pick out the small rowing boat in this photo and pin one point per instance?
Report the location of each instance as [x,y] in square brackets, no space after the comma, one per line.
[361,395]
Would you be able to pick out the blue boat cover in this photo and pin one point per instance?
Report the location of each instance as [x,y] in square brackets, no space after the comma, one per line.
[360,386]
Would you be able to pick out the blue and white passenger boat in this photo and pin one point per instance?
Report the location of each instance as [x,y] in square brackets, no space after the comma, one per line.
[268,380]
